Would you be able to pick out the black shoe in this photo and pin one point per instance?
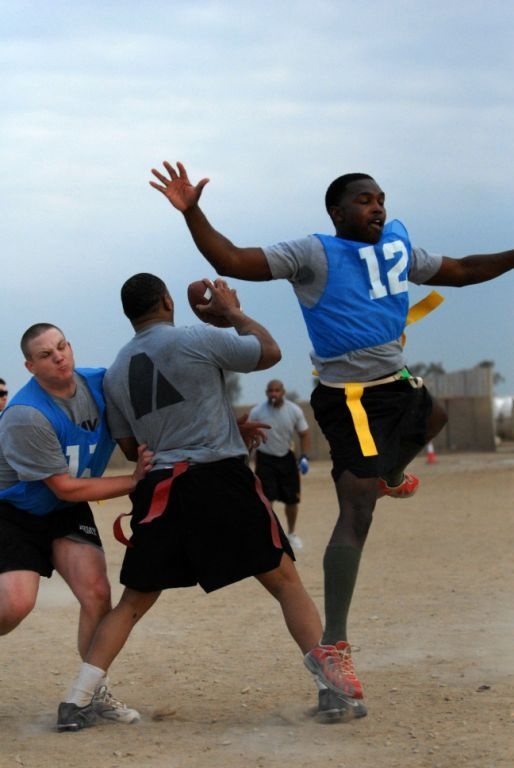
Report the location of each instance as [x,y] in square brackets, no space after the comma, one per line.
[70,717]
[334,708]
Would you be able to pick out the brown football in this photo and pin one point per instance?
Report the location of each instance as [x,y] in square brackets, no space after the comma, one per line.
[200,293]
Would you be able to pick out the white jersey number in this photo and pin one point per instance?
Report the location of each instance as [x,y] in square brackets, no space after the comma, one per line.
[395,283]
[72,454]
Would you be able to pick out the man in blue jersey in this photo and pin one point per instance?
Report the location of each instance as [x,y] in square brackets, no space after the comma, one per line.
[353,292]
[54,445]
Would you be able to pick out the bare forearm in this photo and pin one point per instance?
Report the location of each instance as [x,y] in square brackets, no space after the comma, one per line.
[212,244]
[226,258]
[76,489]
[482,268]
[305,443]
[473,269]
[246,326]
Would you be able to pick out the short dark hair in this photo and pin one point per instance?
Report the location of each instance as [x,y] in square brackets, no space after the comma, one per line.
[3,382]
[141,294]
[32,333]
[338,187]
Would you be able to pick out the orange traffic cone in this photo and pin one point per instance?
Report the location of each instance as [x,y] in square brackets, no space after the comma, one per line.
[431,457]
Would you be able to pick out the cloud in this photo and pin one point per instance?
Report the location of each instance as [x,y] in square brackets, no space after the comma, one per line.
[271,101]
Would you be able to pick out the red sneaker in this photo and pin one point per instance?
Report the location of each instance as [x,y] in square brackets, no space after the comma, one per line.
[405,490]
[333,665]
[344,650]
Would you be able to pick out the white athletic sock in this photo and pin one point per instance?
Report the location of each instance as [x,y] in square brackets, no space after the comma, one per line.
[85,685]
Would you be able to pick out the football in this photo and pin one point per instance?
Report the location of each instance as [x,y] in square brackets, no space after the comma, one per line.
[199,292]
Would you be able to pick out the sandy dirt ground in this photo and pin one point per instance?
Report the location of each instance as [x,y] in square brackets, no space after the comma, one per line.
[220,684]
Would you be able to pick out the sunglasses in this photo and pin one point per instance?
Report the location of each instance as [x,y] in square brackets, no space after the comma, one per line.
[3,393]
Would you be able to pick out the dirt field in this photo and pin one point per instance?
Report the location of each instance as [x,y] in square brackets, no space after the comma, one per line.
[220,684]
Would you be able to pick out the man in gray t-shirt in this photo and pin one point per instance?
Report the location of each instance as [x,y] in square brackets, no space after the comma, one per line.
[276,464]
[353,293]
[199,517]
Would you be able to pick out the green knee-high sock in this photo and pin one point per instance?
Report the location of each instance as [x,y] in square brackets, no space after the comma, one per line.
[341,565]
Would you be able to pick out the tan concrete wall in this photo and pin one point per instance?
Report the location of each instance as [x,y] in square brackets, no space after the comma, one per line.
[470,425]
[467,397]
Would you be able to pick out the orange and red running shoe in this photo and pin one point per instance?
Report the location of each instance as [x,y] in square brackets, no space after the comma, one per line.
[333,665]
[405,490]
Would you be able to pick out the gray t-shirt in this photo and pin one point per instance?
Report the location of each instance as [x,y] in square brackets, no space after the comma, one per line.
[284,420]
[29,447]
[303,262]
[166,389]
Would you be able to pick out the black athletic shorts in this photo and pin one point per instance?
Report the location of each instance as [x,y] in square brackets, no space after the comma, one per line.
[279,476]
[397,414]
[215,530]
[26,539]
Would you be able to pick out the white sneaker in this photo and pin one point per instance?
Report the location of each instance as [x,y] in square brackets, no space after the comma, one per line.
[295,541]
[105,705]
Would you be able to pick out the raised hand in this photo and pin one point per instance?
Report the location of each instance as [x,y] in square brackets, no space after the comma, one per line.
[223,300]
[177,187]
[252,432]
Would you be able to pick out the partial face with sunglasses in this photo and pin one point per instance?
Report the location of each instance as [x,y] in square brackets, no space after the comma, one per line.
[3,394]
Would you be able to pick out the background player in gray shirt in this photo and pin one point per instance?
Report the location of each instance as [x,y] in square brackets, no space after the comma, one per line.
[275,462]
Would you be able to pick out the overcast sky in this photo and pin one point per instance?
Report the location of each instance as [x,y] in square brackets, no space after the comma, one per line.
[271,101]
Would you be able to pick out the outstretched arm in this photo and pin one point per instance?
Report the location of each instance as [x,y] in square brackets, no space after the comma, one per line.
[226,258]
[472,269]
